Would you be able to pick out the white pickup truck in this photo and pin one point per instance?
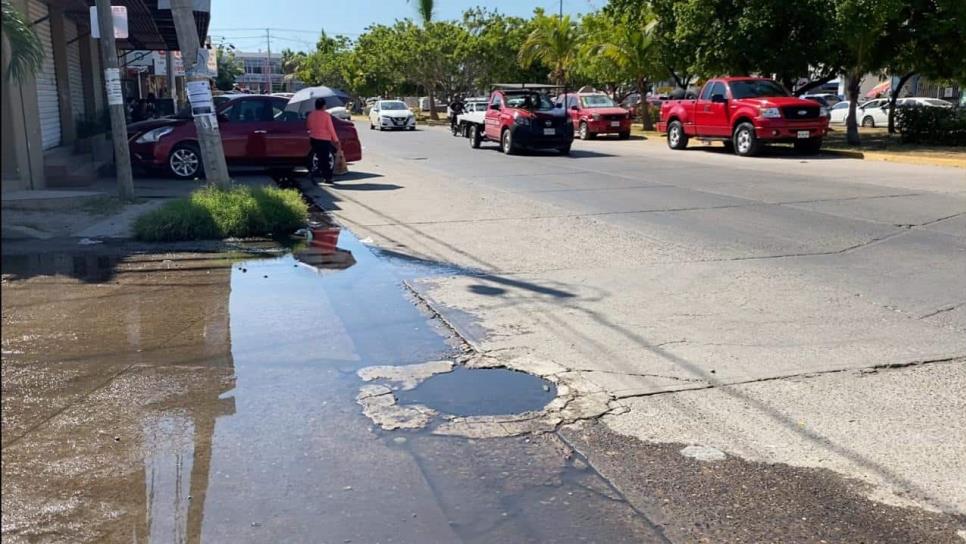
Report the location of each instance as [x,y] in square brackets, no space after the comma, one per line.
[473,111]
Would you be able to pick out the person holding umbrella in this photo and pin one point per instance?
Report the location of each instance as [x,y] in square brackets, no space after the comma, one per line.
[325,142]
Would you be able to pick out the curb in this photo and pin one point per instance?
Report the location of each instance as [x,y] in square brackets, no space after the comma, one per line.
[899,157]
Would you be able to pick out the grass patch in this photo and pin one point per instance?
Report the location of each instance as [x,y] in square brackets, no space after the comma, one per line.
[240,212]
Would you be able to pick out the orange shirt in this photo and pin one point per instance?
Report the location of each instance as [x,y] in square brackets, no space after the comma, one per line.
[320,126]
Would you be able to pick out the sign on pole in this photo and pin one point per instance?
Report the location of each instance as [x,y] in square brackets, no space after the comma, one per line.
[112,84]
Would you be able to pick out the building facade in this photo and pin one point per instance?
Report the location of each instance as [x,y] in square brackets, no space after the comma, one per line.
[258,69]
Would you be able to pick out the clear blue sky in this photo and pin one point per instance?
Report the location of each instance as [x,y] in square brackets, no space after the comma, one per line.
[296,23]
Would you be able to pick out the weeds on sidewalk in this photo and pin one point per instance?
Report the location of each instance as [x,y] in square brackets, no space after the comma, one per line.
[211,213]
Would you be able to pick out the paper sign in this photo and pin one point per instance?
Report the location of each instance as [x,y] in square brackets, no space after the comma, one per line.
[199,95]
[120,22]
[112,84]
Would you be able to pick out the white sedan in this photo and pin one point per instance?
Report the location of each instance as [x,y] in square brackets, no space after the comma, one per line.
[874,113]
[838,113]
[390,114]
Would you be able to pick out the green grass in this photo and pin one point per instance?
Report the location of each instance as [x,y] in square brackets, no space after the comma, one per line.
[240,212]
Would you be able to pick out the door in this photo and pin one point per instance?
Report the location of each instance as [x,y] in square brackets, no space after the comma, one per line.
[711,110]
[286,136]
[492,118]
[243,131]
[48,101]
[571,103]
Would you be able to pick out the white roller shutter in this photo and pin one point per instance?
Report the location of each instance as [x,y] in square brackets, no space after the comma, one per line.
[46,80]
[74,70]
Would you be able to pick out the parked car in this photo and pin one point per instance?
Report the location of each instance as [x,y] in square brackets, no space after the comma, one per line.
[255,131]
[825,99]
[596,113]
[923,101]
[391,114]
[340,112]
[838,113]
[523,119]
[745,112]
[873,113]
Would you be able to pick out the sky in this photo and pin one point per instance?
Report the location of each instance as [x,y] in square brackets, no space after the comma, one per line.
[295,24]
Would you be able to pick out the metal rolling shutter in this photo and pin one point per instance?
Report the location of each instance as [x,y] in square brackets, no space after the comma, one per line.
[74,70]
[46,80]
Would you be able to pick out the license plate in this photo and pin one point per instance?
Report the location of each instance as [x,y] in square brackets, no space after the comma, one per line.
[549,132]
[615,123]
[803,134]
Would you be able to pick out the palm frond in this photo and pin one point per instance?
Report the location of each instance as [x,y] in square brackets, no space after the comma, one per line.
[26,50]
[425,9]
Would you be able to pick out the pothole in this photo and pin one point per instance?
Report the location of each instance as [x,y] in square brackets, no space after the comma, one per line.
[468,392]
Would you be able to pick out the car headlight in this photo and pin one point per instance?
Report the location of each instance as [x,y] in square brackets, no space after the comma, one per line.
[384,118]
[153,135]
[823,111]
[596,117]
[771,113]
[521,120]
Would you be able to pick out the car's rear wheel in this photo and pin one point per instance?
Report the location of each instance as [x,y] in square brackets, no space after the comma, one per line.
[745,141]
[676,138]
[475,138]
[314,162]
[868,121]
[184,162]
[810,146]
[506,142]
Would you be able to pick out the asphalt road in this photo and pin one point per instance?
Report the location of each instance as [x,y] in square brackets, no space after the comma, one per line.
[806,311]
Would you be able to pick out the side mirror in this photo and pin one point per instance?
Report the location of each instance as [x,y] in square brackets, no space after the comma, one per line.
[574,108]
[718,98]
[222,118]
[495,107]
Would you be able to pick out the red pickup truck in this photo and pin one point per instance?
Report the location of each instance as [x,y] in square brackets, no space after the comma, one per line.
[745,112]
[522,118]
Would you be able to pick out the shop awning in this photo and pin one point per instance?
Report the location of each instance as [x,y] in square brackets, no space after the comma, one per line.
[149,27]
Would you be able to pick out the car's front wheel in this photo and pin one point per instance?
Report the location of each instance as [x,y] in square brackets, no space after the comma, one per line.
[583,132]
[184,162]
[506,142]
[745,141]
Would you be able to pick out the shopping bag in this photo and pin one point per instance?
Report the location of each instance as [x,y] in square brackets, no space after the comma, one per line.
[340,165]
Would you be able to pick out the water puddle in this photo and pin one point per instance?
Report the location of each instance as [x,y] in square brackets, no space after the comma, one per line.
[481,392]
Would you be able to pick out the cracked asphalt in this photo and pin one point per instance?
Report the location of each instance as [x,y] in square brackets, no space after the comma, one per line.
[800,312]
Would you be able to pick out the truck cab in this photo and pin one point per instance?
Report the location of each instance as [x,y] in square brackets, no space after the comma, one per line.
[745,113]
[522,118]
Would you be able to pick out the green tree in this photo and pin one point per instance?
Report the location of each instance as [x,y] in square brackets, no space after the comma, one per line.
[494,40]
[676,55]
[630,46]
[229,67]
[425,9]
[291,60]
[864,31]
[327,65]
[25,50]
[930,38]
[553,42]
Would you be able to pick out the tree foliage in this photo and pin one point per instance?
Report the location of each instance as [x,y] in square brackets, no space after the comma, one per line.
[553,42]
[229,68]
[26,53]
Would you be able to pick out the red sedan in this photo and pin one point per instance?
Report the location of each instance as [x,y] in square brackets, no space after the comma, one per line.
[255,131]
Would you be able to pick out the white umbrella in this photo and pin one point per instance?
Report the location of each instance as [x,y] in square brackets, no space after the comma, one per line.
[303,101]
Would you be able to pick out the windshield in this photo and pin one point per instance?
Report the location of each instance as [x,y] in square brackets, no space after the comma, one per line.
[530,101]
[394,105]
[754,88]
[597,101]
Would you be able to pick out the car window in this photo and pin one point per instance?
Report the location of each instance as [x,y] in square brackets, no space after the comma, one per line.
[597,101]
[755,88]
[249,111]
[718,88]
[531,101]
[706,91]
[841,106]
[496,101]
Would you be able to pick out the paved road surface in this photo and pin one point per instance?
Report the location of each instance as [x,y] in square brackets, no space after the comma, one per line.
[801,310]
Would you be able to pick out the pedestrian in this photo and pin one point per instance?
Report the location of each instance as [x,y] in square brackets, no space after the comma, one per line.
[324,141]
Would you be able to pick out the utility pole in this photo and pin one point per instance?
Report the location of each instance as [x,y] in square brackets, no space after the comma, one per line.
[209,138]
[115,101]
[268,60]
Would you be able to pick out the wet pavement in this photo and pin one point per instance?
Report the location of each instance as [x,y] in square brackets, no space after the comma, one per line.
[206,397]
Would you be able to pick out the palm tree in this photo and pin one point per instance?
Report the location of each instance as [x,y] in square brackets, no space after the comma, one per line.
[632,49]
[26,51]
[425,9]
[553,43]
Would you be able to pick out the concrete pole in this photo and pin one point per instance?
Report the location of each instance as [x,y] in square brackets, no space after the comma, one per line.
[122,155]
[209,138]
